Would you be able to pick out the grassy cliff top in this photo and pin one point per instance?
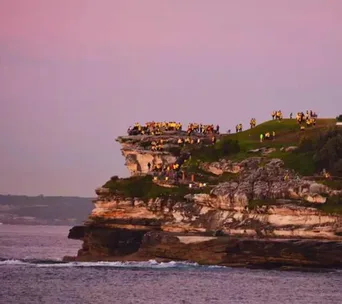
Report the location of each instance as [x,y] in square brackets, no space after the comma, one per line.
[287,132]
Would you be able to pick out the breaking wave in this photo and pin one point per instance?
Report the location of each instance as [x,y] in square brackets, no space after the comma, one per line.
[148,264]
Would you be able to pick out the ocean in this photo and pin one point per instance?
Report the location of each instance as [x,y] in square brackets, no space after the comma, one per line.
[31,271]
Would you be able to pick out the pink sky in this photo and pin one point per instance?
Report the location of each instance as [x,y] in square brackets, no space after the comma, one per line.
[75,74]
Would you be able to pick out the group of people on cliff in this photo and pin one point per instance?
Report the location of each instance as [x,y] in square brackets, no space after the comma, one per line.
[267,136]
[238,128]
[168,172]
[157,145]
[202,129]
[310,119]
[277,115]
[154,128]
[252,123]
[191,140]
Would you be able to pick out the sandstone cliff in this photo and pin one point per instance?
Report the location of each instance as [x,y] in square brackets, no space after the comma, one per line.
[254,212]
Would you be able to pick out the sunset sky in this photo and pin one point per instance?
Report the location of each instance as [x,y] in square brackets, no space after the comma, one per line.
[75,74]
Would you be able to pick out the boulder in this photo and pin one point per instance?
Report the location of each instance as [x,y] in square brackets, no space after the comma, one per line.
[268,151]
[315,198]
[102,191]
[291,149]
[316,188]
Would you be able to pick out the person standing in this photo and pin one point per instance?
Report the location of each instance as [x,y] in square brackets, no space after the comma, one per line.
[261,137]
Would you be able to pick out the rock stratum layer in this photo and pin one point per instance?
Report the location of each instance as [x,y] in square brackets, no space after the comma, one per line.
[254,218]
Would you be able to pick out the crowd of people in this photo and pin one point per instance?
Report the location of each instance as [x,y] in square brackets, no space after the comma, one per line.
[252,123]
[267,136]
[157,145]
[202,129]
[154,128]
[157,128]
[309,118]
[168,172]
[277,115]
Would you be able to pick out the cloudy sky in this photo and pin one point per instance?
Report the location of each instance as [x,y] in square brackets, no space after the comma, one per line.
[75,74]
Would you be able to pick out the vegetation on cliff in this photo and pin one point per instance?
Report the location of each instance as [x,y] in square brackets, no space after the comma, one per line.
[143,187]
[306,152]
[319,147]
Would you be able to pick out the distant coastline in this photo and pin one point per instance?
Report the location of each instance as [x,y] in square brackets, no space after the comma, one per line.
[43,210]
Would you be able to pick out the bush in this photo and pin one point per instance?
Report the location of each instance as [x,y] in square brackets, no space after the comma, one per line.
[135,186]
[312,156]
[144,188]
[228,177]
[145,144]
[300,162]
[223,148]
[305,145]
[339,118]
[176,151]
[228,147]
[332,206]
[329,152]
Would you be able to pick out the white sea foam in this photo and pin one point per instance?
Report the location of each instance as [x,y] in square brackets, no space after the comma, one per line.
[13,262]
[147,264]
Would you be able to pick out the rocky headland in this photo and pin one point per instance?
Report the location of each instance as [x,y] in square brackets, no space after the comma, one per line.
[242,208]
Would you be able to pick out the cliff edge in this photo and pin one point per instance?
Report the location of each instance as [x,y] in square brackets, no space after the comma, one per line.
[228,199]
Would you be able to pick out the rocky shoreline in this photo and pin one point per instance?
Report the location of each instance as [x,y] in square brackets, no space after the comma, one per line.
[256,213]
[206,250]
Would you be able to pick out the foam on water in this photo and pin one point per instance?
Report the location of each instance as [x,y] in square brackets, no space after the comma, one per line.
[147,264]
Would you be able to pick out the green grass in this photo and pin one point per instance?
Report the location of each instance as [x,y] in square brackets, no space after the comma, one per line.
[333,184]
[228,177]
[234,147]
[254,204]
[333,205]
[287,134]
[301,163]
[144,188]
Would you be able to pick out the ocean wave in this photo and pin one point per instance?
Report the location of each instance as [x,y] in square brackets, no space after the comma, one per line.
[12,262]
[147,264]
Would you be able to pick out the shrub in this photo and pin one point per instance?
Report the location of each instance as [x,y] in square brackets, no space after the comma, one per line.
[144,188]
[332,206]
[144,144]
[176,151]
[339,118]
[228,177]
[300,162]
[223,148]
[305,145]
[329,152]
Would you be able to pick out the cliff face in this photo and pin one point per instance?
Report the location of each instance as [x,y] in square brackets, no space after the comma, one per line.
[138,153]
[258,213]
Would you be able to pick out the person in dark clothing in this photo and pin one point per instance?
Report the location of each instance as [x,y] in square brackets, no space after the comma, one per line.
[149,166]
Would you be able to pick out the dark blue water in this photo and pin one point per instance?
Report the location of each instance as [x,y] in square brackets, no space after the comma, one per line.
[31,272]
